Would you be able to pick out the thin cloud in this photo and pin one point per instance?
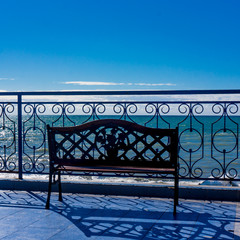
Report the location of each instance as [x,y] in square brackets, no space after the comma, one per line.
[94,83]
[85,83]
[6,79]
[154,84]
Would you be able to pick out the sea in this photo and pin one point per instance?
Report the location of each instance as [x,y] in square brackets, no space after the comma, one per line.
[208,145]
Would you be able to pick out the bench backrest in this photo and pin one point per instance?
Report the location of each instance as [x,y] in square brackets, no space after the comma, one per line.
[113,142]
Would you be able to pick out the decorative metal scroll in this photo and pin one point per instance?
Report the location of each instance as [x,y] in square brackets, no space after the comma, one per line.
[34,139]
[191,152]
[225,130]
[8,158]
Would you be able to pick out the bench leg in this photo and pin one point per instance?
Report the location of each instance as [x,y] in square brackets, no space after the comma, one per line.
[176,192]
[49,190]
[59,187]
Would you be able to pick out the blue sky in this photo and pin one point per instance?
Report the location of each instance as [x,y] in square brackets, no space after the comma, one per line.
[119,44]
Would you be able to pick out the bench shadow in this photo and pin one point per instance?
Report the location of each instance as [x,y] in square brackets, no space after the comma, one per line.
[104,217]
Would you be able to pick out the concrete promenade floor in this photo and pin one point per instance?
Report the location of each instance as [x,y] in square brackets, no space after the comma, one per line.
[23,216]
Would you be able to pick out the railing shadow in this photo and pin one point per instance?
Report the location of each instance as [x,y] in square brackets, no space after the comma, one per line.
[105,217]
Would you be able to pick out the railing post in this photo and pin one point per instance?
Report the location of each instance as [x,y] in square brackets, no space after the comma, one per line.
[20,139]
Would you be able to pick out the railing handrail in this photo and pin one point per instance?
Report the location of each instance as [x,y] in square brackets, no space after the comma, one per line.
[125,92]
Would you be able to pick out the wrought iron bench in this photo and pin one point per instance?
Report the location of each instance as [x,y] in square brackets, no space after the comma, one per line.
[113,147]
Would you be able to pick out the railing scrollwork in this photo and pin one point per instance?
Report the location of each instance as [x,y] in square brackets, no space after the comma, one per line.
[208,130]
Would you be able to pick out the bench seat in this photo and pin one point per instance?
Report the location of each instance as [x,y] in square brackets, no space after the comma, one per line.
[115,169]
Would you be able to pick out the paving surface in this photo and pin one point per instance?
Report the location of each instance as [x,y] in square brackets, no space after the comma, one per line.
[23,216]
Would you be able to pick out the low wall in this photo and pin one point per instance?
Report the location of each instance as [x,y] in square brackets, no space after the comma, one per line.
[142,190]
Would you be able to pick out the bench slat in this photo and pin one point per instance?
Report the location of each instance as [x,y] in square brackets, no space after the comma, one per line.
[116,169]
